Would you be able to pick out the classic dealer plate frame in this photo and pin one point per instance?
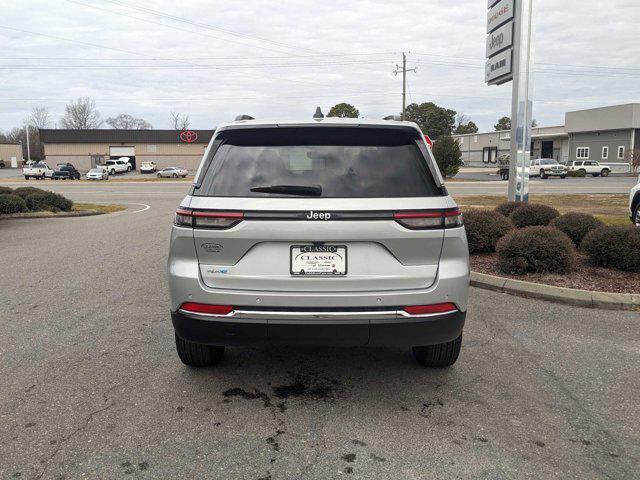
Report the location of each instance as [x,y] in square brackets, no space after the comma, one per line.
[321,274]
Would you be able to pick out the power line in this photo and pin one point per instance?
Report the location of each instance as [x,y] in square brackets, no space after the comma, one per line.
[207,26]
[169,26]
[261,57]
[94,45]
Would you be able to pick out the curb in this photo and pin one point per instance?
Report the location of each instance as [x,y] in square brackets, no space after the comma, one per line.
[58,215]
[566,296]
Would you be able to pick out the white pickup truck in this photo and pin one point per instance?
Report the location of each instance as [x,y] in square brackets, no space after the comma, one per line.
[547,167]
[38,170]
[120,165]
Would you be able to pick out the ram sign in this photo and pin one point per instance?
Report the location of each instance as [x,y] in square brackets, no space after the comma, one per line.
[498,68]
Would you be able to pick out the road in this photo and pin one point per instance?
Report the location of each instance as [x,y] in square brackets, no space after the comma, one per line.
[87,191]
[92,387]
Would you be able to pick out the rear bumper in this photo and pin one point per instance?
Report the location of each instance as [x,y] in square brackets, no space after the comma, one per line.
[379,330]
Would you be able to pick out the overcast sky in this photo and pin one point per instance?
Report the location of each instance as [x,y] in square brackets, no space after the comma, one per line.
[215,59]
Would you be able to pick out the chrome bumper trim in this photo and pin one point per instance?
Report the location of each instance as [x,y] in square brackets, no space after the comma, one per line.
[288,315]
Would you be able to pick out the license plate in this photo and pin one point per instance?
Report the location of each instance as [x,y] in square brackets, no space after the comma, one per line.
[318,260]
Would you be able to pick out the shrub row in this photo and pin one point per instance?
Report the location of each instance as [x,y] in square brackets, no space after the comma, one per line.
[546,241]
[33,199]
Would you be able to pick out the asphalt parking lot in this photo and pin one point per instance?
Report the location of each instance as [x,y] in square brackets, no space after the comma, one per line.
[92,387]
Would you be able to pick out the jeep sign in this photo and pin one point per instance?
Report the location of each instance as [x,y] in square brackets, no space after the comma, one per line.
[500,40]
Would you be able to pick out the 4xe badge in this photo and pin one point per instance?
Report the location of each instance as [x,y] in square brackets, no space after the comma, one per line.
[318,216]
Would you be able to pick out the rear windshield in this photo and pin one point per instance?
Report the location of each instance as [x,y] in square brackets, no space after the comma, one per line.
[342,162]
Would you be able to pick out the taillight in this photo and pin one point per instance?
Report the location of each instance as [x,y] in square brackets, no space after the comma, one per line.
[426,220]
[206,308]
[207,219]
[430,309]
[183,218]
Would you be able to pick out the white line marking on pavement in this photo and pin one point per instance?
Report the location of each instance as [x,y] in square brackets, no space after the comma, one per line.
[146,207]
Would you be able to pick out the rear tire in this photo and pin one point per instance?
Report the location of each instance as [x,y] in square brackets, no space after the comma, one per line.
[198,355]
[440,355]
[636,216]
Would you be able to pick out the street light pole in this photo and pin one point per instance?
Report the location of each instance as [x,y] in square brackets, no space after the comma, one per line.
[26,127]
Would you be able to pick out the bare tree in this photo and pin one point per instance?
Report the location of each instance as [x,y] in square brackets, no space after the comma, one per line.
[81,114]
[19,135]
[127,122]
[179,121]
[39,118]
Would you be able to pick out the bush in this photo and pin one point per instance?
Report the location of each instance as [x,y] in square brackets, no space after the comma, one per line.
[484,229]
[531,214]
[48,201]
[614,247]
[11,204]
[446,151]
[576,225]
[6,191]
[507,208]
[537,250]
[24,192]
[576,173]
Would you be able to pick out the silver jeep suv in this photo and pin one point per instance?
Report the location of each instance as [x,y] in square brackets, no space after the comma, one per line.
[324,231]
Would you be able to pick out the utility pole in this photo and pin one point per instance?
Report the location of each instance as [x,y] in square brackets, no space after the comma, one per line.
[26,127]
[404,80]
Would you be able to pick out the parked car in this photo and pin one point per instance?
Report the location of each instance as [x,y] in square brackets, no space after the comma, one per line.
[590,167]
[66,172]
[2,165]
[547,167]
[328,231]
[148,167]
[38,170]
[120,165]
[174,172]
[97,174]
[634,204]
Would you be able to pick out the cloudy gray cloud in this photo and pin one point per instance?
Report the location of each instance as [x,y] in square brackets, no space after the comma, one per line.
[283,58]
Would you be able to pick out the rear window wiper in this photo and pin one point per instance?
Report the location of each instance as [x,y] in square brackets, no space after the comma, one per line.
[301,190]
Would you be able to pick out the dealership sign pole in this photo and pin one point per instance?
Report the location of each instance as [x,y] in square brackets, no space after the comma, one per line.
[510,58]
